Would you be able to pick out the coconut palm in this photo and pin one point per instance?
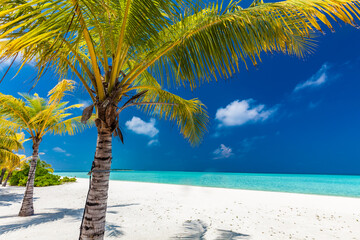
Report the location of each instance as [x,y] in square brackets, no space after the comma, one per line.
[37,117]
[13,164]
[9,142]
[124,51]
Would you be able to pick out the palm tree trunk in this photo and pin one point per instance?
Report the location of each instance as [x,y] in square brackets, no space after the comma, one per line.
[93,223]
[2,174]
[27,207]
[7,178]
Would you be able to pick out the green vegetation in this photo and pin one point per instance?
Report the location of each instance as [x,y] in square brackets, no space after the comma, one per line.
[43,176]
[67,179]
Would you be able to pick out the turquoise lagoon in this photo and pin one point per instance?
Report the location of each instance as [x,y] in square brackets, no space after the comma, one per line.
[336,185]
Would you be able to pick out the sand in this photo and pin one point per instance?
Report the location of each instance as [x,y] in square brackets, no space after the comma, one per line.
[164,211]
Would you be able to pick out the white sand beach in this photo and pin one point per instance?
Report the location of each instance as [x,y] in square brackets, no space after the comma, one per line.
[164,211]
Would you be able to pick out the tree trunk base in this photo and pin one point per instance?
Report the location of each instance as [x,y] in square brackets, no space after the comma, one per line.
[26,212]
[27,206]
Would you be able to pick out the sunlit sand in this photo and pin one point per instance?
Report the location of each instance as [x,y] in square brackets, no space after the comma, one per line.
[164,211]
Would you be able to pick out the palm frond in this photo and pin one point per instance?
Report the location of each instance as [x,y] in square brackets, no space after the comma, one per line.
[209,43]
[58,92]
[14,109]
[71,126]
[190,115]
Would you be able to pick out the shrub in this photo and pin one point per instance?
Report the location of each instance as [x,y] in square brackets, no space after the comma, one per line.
[43,176]
[67,179]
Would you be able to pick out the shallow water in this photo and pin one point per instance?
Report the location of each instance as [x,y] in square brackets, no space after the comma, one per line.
[336,185]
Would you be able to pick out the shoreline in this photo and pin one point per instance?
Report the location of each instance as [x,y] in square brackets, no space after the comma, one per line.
[256,190]
[259,173]
[139,210]
[323,185]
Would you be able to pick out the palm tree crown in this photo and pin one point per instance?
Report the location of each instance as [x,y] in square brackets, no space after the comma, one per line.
[38,116]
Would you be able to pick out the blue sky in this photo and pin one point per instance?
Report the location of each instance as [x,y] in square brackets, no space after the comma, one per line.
[287,115]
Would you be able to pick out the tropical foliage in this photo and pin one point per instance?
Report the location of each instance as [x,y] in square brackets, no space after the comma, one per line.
[123,52]
[11,166]
[10,142]
[38,116]
[43,176]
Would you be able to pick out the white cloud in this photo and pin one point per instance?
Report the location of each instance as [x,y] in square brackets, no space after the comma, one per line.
[153,142]
[139,126]
[223,152]
[316,80]
[85,103]
[41,153]
[57,149]
[240,112]
[60,150]
[6,63]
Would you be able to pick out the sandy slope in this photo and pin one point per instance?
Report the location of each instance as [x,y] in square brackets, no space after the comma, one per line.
[162,211]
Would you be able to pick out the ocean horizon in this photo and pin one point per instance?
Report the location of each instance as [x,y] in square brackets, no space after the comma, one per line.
[319,184]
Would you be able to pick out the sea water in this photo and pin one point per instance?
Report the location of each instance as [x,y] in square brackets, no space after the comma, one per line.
[336,185]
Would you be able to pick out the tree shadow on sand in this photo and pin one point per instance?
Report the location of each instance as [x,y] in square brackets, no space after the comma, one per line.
[113,230]
[7,198]
[230,235]
[40,218]
[123,205]
[193,229]
[196,230]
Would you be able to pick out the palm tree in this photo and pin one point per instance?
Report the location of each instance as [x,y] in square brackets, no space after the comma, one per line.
[124,51]
[38,116]
[11,165]
[9,142]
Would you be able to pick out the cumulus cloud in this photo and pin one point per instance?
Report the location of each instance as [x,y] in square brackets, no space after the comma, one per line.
[85,103]
[240,112]
[4,64]
[153,142]
[139,126]
[41,153]
[316,80]
[223,152]
[60,150]
[57,149]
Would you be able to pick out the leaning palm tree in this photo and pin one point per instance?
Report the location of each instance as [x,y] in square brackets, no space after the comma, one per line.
[10,142]
[37,117]
[125,51]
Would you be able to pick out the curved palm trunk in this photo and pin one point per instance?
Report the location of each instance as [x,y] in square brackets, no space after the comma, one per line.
[27,207]
[7,178]
[93,224]
[2,174]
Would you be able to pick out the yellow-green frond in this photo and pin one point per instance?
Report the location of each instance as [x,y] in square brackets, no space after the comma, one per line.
[71,126]
[210,42]
[58,92]
[190,115]
[14,110]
